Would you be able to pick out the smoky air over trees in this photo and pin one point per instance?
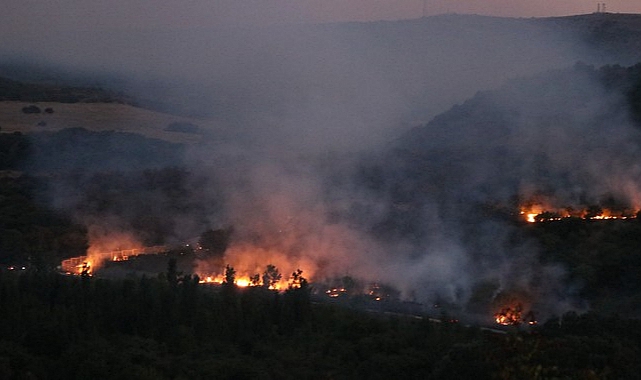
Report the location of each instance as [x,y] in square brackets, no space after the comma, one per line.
[376,150]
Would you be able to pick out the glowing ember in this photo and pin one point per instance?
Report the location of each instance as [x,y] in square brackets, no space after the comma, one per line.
[336,292]
[379,292]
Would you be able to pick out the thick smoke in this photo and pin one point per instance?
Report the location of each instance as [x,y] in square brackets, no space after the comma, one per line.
[559,136]
[290,113]
[434,213]
[315,87]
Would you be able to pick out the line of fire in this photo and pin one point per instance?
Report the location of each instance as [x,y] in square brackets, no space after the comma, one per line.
[247,267]
[343,290]
[536,213]
[269,277]
[85,265]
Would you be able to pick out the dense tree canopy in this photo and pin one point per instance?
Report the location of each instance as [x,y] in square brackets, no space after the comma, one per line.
[59,327]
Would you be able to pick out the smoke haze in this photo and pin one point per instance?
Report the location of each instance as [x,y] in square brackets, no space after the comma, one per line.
[291,112]
[130,15]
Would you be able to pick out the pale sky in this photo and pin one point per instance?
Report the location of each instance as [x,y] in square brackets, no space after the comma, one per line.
[34,15]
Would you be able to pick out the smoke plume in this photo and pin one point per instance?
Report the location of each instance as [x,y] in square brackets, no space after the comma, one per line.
[308,151]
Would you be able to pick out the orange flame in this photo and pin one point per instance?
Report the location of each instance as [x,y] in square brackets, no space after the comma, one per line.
[249,261]
[246,281]
[539,213]
[104,248]
[513,316]
[243,282]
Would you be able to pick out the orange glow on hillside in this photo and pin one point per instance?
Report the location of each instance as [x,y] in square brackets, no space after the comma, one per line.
[533,213]
[244,282]
[111,247]
[250,263]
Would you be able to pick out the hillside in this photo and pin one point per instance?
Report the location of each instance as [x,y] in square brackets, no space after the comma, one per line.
[418,67]
[613,37]
[43,104]
[174,328]
[562,141]
[97,116]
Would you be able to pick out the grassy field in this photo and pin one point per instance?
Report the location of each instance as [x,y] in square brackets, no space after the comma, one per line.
[95,117]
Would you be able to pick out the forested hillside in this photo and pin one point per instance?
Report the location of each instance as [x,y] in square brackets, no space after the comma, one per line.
[56,327]
[487,161]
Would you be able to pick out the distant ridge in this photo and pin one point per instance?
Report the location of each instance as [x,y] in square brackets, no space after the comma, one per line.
[612,34]
[12,90]
[595,39]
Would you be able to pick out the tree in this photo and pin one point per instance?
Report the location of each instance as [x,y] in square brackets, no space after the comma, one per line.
[297,281]
[172,272]
[230,275]
[297,301]
[255,280]
[229,289]
[271,276]
[547,216]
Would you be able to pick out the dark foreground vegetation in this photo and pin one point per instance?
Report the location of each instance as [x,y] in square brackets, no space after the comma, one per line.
[162,327]
[60,327]
[603,257]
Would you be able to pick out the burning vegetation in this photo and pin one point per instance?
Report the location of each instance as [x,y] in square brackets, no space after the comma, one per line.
[88,264]
[538,212]
[220,260]
[514,308]
[271,278]
[249,265]
[513,316]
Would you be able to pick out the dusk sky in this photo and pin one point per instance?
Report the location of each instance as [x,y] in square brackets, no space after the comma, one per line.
[21,15]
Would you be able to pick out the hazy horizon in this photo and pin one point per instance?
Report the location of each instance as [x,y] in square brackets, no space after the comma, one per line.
[73,15]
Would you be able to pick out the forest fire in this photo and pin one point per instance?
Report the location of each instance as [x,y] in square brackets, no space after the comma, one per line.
[80,265]
[513,316]
[88,264]
[242,282]
[254,266]
[537,213]
[270,279]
